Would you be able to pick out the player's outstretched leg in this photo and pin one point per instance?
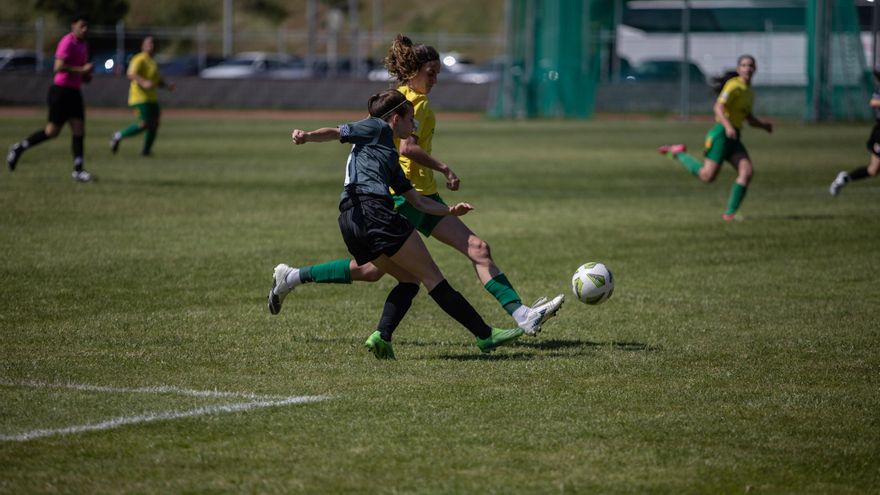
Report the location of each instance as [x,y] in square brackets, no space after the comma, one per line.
[533,317]
[284,280]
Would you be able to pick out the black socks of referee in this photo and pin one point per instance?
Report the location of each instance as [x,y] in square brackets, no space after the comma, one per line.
[456,306]
[396,305]
[77,148]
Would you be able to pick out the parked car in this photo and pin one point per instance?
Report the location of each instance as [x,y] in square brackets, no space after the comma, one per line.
[14,60]
[184,65]
[666,71]
[258,64]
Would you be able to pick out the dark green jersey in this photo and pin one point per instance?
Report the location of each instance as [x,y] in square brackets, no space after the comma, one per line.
[372,165]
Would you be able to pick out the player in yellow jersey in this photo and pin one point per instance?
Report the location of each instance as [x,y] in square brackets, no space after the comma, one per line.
[143,98]
[415,67]
[732,108]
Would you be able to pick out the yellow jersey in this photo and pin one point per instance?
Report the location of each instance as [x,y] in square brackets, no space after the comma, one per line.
[421,176]
[737,98]
[143,65]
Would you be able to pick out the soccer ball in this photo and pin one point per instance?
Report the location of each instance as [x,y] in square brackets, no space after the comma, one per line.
[592,283]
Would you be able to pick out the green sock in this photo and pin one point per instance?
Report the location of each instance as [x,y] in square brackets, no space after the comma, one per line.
[332,272]
[737,193]
[131,130]
[149,137]
[503,291]
[690,163]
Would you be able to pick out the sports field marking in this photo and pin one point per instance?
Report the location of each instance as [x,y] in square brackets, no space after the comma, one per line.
[260,402]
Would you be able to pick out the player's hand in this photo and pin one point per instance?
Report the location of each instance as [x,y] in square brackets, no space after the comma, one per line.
[171,86]
[452,181]
[88,68]
[460,209]
[147,84]
[730,132]
[768,126]
[299,136]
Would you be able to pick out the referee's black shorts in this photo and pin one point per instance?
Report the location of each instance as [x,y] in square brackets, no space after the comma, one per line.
[371,227]
[65,104]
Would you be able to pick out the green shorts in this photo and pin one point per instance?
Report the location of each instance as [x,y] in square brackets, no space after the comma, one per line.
[146,111]
[718,147]
[422,221]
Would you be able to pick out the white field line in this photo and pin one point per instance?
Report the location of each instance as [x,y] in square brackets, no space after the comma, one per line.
[262,403]
[162,389]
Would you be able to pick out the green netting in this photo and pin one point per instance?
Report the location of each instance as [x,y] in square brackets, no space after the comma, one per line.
[553,58]
[838,84]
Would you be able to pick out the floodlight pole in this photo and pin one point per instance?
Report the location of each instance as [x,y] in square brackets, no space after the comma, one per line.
[875,24]
[227,27]
[685,60]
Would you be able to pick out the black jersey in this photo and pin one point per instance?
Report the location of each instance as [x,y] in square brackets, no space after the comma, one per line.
[372,165]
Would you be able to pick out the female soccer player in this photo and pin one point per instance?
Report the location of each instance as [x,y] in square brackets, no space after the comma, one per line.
[732,108]
[416,68]
[870,170]
[143,98]
[375,233]
[72,68]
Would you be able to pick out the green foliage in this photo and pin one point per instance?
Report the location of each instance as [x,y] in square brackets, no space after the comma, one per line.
[733,357]
[99,12]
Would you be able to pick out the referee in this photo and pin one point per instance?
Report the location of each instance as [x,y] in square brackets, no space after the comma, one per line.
[72,68]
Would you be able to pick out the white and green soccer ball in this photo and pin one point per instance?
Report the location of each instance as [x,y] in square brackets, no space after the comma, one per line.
[592,283]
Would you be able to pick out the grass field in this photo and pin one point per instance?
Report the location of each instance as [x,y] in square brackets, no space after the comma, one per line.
[138,356]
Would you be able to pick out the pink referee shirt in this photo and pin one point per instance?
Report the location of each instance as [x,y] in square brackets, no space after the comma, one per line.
[74,52]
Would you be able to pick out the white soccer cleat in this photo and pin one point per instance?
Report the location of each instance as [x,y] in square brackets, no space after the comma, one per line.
[280,288]
[838,183]
[81,176]
[541,311]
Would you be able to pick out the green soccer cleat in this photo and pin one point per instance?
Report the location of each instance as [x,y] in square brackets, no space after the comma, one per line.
[499,337]
[379,347]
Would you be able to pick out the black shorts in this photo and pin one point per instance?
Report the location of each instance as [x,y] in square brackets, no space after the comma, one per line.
[65,104]
[370,227]
[873,143]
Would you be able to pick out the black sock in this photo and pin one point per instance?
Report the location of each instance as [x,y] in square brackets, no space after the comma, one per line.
[396,305]
[77,146]
[33,140]
[456,306]
[859,173]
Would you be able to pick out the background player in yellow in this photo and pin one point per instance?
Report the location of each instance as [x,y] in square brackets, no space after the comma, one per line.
[732,108]
[143,98]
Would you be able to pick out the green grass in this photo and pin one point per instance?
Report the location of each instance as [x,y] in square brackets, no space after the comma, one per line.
[733,357]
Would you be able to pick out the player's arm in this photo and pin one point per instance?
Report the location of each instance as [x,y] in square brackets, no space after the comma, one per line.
[317,136]
[62,66]
[722,119]
[760,124]
[431,207]
[410,148]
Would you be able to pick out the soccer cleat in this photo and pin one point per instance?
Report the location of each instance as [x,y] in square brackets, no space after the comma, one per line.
[541,311]
[81,176]
[498,338]
[380,347]
[672,149]
[12,156]
[838,183]
[280,288]
[114,142]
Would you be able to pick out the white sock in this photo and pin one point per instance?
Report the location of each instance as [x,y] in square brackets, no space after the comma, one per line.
[520,313]
[292,279]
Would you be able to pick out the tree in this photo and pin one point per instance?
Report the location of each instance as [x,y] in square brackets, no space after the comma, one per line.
[98,12]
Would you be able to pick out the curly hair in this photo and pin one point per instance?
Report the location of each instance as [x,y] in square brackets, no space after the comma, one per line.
[405,59]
